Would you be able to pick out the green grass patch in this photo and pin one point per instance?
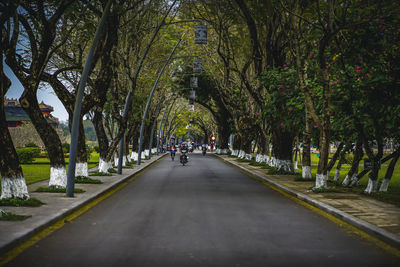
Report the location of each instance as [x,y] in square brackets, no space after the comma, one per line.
[298,178]
[275,171]
[86,180]
[243,160]
[258,164]
[18,202]
[43,189]
[112,170]
[97,173]
[8,216]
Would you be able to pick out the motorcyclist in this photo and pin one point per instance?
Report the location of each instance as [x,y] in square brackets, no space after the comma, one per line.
[173,151]
[184,151]
[204,149]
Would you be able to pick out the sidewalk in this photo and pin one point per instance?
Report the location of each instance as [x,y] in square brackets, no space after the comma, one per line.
[375,217]
[58,206]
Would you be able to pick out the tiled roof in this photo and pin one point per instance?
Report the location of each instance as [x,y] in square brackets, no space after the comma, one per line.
[19,114]
[16,114]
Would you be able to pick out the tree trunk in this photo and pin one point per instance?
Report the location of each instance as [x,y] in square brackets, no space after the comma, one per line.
[223,138]
[321,179]
[306,163]
[282,146]
[335,157]
[389,172]
[13,183]
[102,139]
[81,168]
[58,174]
[372,186]
[352,174]
[340,162]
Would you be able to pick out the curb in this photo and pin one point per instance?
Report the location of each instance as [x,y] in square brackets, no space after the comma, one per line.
[18,241]
[373,230]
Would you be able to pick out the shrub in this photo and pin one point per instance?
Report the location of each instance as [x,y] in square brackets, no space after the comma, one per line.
[28,154]
[96,148]
[65,147]
[30,144]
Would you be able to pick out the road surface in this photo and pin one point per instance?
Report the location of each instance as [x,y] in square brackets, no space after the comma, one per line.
[203,214]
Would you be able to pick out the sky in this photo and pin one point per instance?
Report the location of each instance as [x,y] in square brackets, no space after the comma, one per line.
[46,95]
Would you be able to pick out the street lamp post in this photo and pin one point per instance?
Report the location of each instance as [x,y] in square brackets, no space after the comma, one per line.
[130,93]
[78,105]
[149,101]
[154,127]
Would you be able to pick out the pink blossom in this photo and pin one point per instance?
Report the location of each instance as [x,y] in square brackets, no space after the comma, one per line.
[315,126]
[284,65]
[347,122]
[282,124]
[283,93]
[257,113]
[383,106]
[290,108]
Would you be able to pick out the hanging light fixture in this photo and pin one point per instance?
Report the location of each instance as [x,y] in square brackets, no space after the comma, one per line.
[200,34]
[197,65]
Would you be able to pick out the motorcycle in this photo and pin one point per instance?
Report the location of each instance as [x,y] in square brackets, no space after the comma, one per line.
[173,154]
[183,158]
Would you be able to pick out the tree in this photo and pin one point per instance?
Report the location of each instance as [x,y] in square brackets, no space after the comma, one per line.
[39,22]
[13,183]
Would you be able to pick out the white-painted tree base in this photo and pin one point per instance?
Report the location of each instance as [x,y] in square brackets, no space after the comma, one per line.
[321,180]
[346,181]
[372,187]
[384,186]
[272,162]
[306,172]
[104,166]
[285,165]
[116,160]
[242,154]
[354,180]
[81,169]
[128,158]
[235,152]
[222,151]
[248,156]
[295,165]
[337,175]
[134,156]
[146,152]
[58,177]
[14,188]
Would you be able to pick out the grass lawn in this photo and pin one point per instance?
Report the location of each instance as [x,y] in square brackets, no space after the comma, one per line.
[38,172]
[393,194]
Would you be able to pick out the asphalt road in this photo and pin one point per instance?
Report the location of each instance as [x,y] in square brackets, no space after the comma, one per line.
[203,214]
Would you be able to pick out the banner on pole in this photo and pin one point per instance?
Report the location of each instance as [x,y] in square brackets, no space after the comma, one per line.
[200,34]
